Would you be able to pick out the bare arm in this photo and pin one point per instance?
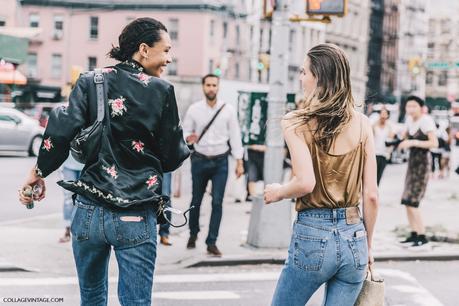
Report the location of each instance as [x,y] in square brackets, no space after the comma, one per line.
[370,189]
[304,180]
[430,143]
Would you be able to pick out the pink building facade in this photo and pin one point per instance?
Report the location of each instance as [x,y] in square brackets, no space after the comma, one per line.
[76,36]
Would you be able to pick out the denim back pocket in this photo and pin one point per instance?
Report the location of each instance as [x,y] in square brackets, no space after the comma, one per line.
[309,252]
[131,227]
[81,220]
[359,249]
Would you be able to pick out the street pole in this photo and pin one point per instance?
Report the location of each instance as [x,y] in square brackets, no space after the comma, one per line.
[270,225]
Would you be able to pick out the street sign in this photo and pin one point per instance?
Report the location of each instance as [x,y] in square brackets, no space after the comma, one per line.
[326,7]
[253,113]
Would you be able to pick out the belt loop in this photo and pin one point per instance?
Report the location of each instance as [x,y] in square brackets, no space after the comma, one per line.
[334,215]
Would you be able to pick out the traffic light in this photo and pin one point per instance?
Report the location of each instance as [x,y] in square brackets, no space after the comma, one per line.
[414,65]
[260,66]
[218,71]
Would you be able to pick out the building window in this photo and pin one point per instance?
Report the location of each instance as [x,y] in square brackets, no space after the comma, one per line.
[212,28]
[251,34]
[238,34]
[32,70]
[2,22]
[94,27]
[429,77]
[225,29]
[56,66]
[291,40]
[34,20]
[173,28]
[211,66]
[237,71]
[172,67]
[443,78]
[92,63]
[58,32]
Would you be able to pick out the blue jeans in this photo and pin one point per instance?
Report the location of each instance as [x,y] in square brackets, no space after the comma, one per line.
[324,249]
[69,175]
[166,190]
[203,170]
[132,234]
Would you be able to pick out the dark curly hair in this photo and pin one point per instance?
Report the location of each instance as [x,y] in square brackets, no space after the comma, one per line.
[142,30]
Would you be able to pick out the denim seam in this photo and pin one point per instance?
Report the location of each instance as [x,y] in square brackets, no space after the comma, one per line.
[84,230]
[318,227]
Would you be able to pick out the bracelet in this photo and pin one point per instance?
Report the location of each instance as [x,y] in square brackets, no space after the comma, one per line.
[38,172]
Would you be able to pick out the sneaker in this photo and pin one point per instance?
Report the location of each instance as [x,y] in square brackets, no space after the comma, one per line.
[164,240]
[410,239]
[213,251]
[192,242]
[420,241]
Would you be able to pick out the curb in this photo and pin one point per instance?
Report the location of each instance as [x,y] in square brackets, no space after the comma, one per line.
[220,262]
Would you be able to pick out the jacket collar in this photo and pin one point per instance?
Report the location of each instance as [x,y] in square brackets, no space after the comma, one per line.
[133,64]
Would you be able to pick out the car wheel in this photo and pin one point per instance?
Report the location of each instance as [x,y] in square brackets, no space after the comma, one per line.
[35,144]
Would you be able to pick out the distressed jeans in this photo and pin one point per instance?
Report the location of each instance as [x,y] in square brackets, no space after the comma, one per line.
[323,250]
[132,234]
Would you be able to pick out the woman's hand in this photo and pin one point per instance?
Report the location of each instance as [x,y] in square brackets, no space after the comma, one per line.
[32,180]
[272,193]
[406,144]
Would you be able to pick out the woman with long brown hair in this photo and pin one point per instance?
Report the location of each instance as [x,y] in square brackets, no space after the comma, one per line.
[334,167]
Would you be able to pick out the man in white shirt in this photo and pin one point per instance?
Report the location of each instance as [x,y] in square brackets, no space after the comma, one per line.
[210,158]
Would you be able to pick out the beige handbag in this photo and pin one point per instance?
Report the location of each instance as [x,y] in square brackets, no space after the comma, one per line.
[372,293]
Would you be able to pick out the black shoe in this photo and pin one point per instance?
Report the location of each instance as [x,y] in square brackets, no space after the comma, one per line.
[410,239]
[248,199]
[214,251]
[192,242]
[420,241]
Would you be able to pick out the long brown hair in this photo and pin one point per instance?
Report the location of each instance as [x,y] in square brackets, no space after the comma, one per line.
[331,104]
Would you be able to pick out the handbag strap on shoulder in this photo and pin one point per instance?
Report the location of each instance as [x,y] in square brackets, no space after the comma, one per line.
[100,81]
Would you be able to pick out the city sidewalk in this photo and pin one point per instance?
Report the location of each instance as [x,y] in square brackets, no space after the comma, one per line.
[31,244]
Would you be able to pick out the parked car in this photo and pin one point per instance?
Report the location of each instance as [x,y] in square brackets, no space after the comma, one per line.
[19,132]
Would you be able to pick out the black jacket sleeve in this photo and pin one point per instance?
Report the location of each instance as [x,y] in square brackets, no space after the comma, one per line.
[172,147]
[64,123]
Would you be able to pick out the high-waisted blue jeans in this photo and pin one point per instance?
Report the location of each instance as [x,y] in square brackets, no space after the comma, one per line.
[131,234]
[323,249]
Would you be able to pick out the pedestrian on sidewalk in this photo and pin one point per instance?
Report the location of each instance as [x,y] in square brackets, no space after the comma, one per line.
[383,131]
[211,126]
[164,229]
[117,191]
[334,163]
[420,137]
[71,171]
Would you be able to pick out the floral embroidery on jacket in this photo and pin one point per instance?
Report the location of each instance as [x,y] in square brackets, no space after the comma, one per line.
[118,107]
[112,171]
[134,65]
[144,78]
[108,70]
[138,146]
[47,144]
[152,180]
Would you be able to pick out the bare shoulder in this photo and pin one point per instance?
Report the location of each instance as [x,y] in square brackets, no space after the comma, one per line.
[365,120]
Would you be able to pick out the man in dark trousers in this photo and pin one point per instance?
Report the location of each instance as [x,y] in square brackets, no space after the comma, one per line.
[211,126]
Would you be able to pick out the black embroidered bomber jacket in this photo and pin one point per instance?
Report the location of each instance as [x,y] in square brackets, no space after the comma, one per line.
[145,137]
